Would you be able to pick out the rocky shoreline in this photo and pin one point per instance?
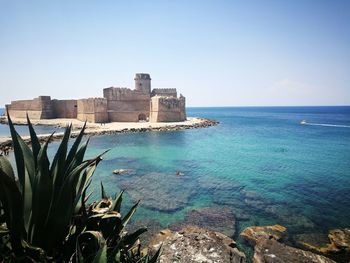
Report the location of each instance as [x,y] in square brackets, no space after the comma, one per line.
[93,131]
[193,244]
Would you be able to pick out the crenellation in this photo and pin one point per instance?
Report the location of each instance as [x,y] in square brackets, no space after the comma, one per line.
[119,104]
[167,92]
[167,109]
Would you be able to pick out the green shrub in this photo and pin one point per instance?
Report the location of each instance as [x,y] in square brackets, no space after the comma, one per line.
[43,212]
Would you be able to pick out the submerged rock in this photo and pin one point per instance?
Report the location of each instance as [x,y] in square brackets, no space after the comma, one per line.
[289,216]
[271,251]
[219,219]
[335,245]
[217,183]
[193,244]
[163,192]
[317,242]
[123,171]
[179,173]
[255,233]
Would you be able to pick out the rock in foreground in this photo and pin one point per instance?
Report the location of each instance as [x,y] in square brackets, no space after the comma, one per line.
[336,245]
[195,245]
[340,238]
[255,233]
[271,251]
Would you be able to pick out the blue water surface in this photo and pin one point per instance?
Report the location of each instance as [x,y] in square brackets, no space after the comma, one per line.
[23,130]
[259,161]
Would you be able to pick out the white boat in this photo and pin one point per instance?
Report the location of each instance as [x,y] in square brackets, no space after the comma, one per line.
[303,122]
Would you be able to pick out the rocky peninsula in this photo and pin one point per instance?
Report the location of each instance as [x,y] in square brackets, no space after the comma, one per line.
[93,129]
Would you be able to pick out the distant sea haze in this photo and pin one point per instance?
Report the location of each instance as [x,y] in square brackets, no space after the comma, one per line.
[259,161]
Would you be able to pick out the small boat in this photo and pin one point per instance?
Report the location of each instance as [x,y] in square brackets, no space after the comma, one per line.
[303,122]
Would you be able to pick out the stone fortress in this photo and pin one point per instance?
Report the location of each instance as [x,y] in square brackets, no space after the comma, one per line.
[117,105]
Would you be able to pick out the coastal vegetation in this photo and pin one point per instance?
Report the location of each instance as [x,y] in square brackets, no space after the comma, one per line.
[44,210]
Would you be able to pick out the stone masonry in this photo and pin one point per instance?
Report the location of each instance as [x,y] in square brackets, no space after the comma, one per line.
[117,105]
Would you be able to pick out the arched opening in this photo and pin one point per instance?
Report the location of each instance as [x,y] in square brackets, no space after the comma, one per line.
[142,117]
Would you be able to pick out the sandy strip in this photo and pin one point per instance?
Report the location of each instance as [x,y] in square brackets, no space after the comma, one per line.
[110,128]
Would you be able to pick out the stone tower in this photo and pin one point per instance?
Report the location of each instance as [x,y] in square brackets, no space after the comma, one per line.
[143,82]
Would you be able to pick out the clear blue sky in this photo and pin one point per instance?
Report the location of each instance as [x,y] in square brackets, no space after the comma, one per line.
[217,53]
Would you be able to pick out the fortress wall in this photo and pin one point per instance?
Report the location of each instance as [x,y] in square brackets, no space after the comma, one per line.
[38,108]
[135,105]
[126,105]
[164,92]
[127,111]
[127,116]
[124,94]
[65,108]
[167,109]
[92,110]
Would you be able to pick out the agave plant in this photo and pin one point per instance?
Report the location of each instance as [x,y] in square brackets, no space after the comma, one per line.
[104,236]
[43,211]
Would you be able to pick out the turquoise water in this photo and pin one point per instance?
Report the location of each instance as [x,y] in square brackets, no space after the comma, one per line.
[23,130]
[259,162]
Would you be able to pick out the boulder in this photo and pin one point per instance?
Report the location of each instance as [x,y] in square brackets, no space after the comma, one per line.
[271,251]
[340,238]
[255,233]
[193,244]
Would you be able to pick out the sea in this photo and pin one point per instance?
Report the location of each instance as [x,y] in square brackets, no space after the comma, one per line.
[265,165]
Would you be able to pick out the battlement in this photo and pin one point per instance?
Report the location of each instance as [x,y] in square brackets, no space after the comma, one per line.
[120,94]
[44,98]
[170,102]
[145,76]
[164,92]
[167,109]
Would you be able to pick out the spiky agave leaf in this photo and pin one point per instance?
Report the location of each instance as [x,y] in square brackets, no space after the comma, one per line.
[117,202]
[63,208]
[130,239]
[58,163]
[6,167]
[42,194]
[155,257]
[89,245]
[103,192]
[11,200]
[101,256]
[130,214]
[34,140]
[82,186]
[17,152]
[75,146]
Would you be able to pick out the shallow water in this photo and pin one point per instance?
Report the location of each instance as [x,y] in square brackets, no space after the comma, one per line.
[23,130]
[259,162]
